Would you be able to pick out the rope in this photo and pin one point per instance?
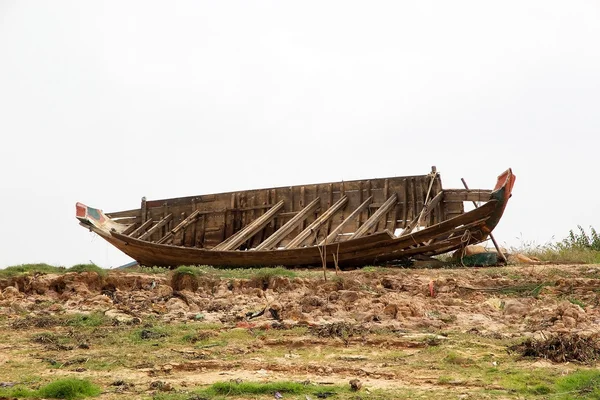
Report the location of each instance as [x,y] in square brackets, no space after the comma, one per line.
[464,242]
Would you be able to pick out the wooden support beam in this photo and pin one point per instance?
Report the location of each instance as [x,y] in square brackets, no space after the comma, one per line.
[130,229]
[357,212]
[236,240]
[182,225]
[141,229]
[289,226]
[143,210]
[317,223]
[427,209]
[156,227]
[372,221]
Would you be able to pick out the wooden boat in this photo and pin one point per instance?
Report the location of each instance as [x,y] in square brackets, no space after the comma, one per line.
[354,223]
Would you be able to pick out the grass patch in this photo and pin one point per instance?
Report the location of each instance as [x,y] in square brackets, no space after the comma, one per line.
[87,268]
[258,388]
[578,247]
[531,289]
[67,388]
[579,385]
[577,302]
[23,269]
[89,320]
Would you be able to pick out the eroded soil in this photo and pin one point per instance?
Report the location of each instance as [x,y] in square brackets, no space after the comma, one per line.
[404,333]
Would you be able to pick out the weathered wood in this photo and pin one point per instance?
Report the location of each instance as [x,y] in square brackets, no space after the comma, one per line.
[141,229]
[144,210]
[460,195]
[156,227]
[246,233]
[405,205]
[124,214]
[372,221]
[502,256]
[308,232]
[191,218]
[130,229]
[200,227]
[427,209]
[200,241]
[289,226]
[357,212]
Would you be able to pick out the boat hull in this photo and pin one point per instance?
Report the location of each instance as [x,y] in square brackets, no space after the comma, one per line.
[372,249]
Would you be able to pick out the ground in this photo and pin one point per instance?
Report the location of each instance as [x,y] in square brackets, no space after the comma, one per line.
[403,333]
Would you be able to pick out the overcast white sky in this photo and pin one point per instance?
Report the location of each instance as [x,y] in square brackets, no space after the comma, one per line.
[106,102]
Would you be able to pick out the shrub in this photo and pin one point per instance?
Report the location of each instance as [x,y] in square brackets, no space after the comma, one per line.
[69,388]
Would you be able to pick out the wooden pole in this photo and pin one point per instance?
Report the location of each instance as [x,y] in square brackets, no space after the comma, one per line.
[502,256]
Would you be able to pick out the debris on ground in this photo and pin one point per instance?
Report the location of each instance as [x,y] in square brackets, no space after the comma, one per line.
[560,348]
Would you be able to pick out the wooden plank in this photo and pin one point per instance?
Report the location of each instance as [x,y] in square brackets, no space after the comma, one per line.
[314,227]
[429,207]
[123,214]
[460,195]
[333,235]
[371,222]
[393,220]
[143,210]
[191,218]
[130,229]
[289,226]
[405,205]
[141,229]
[246,233]
[200,227]
[156,227]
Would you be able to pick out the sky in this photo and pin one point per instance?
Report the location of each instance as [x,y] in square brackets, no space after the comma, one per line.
[106,102]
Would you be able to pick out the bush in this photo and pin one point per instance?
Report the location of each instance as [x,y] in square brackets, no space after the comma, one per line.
[69,388]
[582,240]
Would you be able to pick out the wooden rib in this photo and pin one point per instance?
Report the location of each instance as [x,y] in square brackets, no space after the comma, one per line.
[141,229]
[357,212]
[130,229]
[192,217]
[289,226]
[250,230]
[371,222]
[429,207]
[323,218]
[156,227]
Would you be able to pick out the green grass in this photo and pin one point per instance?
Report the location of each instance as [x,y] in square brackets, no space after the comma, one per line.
[577,247]
[583,384]
[87,268]
[67,388]
[270,388]
[91,320]
[22,269]
[42,268]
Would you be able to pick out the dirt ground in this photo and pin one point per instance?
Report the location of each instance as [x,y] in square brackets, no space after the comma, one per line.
[404,333]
